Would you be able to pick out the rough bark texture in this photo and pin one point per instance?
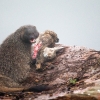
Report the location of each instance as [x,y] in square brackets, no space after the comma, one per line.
[75,71]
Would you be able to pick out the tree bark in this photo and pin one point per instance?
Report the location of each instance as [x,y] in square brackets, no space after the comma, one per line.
[75,70]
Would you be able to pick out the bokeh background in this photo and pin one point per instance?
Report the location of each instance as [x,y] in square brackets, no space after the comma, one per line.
[77,22]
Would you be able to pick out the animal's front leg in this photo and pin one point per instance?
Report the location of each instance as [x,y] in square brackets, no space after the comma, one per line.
[38,63]
[39,60]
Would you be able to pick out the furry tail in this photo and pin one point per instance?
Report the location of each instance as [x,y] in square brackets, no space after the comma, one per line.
[38,88]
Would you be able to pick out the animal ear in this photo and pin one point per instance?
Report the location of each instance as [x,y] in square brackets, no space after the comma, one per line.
[58,48]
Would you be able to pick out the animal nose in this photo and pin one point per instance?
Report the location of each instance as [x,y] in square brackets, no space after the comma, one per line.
[57,40]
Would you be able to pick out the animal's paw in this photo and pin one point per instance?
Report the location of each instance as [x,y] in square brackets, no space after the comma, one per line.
[38,66]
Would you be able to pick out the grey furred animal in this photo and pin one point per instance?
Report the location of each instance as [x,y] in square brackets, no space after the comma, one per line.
[15,56]
[47,39]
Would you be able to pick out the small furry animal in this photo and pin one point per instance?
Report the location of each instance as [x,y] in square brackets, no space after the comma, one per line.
[15,56]
[50,53]
[47,39]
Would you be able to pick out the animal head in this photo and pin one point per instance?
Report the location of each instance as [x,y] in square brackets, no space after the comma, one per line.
[46,39]
[53,35]
[28,33]
[50,53]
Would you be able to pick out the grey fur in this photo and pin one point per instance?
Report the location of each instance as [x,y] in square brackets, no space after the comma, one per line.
[15,56]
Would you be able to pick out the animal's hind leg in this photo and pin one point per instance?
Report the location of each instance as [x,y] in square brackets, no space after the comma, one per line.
[8,85]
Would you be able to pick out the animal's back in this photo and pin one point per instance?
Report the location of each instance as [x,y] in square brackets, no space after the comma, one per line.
[15,56]
[13,59]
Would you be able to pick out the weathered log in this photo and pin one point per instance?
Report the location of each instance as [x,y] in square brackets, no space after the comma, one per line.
[75,70]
